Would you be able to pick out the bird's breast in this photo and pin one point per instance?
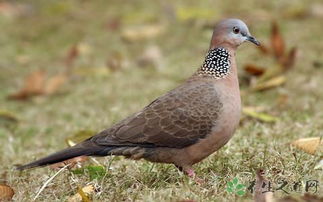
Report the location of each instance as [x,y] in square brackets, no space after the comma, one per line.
[231,107]
[224,125]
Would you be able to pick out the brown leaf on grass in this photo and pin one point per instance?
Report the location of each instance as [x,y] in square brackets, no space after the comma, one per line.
[289,60]
[84,197]
[254,69]
[71,55]
[54,83]
[6,192]
[33,85]
[308,145]
[70,162]
[272,77]
[271,83]
[260,194]
[273,71]
[277,41]
[82,194]
[34,82]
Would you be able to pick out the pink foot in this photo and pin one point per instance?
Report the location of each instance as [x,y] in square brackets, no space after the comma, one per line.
[190,173]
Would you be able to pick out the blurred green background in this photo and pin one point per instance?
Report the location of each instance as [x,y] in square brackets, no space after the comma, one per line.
[93,63]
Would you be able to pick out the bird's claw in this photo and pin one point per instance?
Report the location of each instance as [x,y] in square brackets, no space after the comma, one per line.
[190,173]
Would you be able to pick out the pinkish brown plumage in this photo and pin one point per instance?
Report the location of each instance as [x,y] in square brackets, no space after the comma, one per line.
[185,125]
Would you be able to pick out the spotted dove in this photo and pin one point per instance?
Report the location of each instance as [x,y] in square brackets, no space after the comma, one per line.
[185,125]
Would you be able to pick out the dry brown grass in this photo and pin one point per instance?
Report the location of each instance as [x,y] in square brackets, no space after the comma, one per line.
[95,101]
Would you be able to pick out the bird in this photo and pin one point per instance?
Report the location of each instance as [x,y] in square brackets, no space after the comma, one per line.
[186,124]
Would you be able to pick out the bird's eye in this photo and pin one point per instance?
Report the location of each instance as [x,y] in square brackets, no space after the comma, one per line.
[236,30]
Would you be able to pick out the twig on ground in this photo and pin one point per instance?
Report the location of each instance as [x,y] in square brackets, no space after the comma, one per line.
[50,179]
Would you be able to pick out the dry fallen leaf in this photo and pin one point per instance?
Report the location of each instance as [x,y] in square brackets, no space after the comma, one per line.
[271,83]
[71,55]
[272,77]
[33,85]
[277,41]
[308,145]
[260,195]
[252,112]
[6,192]
[84,197]
[54,83]
[70,162]
[254,69]
[83,194]
[289,60]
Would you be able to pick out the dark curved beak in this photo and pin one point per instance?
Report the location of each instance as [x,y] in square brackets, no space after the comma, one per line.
[253,40]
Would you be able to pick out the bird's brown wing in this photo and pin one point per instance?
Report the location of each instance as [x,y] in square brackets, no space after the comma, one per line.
[177,119]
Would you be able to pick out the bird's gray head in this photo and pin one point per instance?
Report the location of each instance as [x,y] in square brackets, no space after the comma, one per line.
[232,33]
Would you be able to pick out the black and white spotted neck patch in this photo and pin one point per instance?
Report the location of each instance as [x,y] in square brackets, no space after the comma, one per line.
[217,63]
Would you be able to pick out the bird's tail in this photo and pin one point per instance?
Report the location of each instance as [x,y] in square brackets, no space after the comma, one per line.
[82,149]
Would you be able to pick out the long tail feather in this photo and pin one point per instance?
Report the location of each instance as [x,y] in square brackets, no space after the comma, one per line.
[78,150]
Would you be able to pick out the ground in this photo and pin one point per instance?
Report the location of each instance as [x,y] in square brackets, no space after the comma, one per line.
[92,100]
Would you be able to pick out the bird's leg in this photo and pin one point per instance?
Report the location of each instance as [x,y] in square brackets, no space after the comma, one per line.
[189,171]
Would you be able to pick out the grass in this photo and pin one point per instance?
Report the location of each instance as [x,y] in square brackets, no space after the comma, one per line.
[94,102]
